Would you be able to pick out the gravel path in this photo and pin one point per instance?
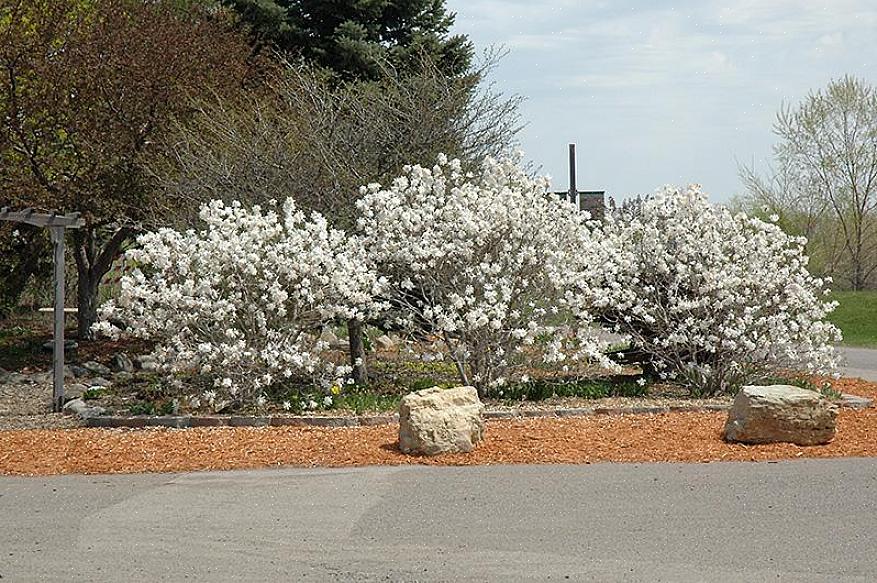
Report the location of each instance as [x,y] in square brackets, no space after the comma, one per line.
[28,405]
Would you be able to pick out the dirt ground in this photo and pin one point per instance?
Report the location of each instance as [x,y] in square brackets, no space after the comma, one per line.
[671,437]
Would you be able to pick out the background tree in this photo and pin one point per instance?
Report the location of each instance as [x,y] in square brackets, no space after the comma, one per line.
[827,160]
[354,38]
[800,208]
[25,252]
[86,88]
[318,142]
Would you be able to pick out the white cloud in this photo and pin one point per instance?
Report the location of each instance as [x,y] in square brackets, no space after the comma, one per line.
[708,74]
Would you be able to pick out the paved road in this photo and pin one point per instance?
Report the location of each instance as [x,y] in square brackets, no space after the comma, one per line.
[791,521]
[861,362]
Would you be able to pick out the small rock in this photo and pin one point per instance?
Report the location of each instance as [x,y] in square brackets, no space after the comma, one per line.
[81,408]
[99,382]
[781,413]
[856,402]
[148,364]
[41,378]
[74,390]
[74,405]
[436,420]
[328,336]
[122,363]
[384,342]
[335,343]
[96,368]
[69,345]
[78,371]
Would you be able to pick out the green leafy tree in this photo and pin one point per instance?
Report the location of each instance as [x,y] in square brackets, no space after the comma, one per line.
[826,176]
[355,37]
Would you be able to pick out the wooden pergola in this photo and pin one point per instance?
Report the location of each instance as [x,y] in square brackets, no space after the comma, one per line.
[57,224]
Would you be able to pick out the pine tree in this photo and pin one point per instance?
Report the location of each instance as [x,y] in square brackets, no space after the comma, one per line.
[355,37]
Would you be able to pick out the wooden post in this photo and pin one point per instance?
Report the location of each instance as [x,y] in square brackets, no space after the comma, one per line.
[57,224]
[58,357]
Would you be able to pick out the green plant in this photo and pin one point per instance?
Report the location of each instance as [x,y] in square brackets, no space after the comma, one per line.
[542,389]
[158,407]
[425,383]
[142,408]
[93,393]
[830,392]
[364,402]
[795,381]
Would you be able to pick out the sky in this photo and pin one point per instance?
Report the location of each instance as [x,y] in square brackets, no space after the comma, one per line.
[658,93]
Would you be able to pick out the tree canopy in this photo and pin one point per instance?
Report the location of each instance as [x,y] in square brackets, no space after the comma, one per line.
[826,175]
[86,87]
[354,37]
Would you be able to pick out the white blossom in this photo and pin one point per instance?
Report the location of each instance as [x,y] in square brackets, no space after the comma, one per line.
[480,260]
[238,300]
[717,299]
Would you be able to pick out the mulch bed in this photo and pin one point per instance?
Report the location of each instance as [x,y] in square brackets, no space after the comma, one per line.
[671,437]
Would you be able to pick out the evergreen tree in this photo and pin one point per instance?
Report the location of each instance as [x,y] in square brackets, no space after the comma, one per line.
[355,37]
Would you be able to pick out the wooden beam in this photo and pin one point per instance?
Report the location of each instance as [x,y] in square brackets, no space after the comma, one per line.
[30,217]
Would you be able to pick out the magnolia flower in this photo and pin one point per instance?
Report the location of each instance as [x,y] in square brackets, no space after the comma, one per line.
[480,259]
[716,299]
[234,300]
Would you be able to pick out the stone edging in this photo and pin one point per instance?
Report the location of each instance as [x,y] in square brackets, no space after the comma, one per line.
[186,421]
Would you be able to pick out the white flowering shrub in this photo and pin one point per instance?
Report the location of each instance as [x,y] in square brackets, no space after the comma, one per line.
[483,262]
[243,300]
[715,299]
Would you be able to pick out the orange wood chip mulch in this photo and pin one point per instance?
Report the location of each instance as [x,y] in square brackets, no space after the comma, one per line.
[670,437]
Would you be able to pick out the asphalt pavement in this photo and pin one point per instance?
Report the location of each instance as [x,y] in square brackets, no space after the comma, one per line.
[860,362]
[806,520]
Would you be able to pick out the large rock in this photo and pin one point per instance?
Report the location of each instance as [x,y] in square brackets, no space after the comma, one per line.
[434,421]
[781,413]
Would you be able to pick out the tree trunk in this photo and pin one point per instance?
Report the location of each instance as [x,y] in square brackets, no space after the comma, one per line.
[357,352]
[87,289]
[92,263]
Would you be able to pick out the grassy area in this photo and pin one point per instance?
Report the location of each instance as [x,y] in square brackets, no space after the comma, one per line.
[856,316]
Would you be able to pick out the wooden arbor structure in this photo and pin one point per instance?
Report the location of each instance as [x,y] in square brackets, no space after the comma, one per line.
[57,224]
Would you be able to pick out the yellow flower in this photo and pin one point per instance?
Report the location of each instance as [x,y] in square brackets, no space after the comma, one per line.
[335,389]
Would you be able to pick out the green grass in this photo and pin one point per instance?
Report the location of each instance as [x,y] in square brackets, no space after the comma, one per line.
[856,316]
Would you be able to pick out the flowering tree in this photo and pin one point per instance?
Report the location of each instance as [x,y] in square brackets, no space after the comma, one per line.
[243,300]
[482,261]
[715,299]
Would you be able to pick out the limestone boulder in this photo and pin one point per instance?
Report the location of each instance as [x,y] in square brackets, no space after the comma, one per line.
[781,413]
[434,421]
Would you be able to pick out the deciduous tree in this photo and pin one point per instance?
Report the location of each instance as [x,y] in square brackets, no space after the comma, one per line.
[86,88]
